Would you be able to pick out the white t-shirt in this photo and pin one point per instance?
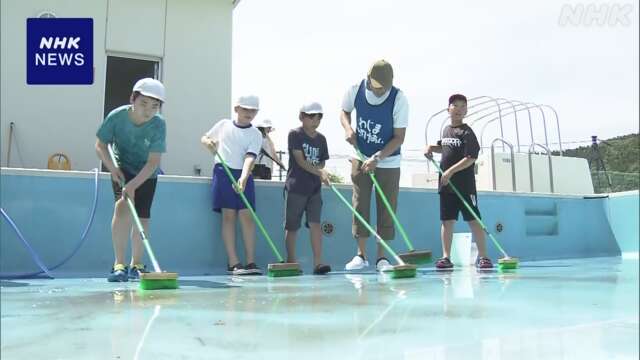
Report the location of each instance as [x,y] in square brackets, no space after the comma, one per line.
[400,116]
[235,142]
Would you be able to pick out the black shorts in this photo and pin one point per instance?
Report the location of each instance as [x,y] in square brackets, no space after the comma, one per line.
[450,206]
[143,197]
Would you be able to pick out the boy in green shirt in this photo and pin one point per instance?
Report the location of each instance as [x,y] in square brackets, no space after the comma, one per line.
[137,133]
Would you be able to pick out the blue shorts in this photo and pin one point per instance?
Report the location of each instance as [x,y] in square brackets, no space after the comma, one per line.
[224,197]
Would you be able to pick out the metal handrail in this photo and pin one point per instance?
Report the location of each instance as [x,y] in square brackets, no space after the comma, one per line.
[555,113]
[493,163]
[544,122]
[466,117]
[426,129]
[515,120]
[527,108]
[497,104]
[531,148]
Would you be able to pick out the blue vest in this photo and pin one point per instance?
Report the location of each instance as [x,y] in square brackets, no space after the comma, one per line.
[374,123]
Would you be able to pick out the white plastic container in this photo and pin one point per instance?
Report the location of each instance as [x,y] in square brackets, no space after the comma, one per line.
[462,250]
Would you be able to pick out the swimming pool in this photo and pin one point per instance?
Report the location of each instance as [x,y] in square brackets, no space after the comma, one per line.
[574,297]
[52,208]
[561,309]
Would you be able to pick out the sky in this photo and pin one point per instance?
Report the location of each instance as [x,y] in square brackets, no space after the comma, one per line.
[288,52]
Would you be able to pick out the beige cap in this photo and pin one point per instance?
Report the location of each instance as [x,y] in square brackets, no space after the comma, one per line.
[381,74]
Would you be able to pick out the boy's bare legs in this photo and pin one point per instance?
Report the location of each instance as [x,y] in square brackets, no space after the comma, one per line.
[316,242]
[120,230]
[229,234]
[478,236]
[290,237]
[136,243]
[446,234]
[249,234]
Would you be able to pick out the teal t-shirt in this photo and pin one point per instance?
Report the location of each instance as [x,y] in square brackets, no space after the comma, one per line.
[132,143]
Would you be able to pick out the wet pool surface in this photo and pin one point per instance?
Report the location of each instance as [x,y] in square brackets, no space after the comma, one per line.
[564,309]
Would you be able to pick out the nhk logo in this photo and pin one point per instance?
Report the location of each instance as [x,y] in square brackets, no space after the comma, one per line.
[59,51]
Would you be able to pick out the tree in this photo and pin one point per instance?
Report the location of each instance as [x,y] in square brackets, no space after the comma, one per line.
[336,179]
[621,156]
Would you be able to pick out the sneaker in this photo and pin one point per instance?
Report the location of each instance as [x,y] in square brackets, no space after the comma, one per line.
[383,264]
[321,269]
[357,263]
[236,269]
[484,263]
[252,269]
[119,273]
[444,263]
[136,270]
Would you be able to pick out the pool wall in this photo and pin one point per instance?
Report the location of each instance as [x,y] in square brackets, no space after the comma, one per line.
[623,213]
[52,209]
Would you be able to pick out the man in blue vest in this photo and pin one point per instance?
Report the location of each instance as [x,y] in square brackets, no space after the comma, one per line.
[382,115]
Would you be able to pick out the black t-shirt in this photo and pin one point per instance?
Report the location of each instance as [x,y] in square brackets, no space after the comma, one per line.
[315,151]
[457,143]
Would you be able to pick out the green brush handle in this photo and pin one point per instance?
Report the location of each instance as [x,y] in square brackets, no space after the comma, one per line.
[246,203]
[495,242]
[134,215]
[387,205]
[364,222]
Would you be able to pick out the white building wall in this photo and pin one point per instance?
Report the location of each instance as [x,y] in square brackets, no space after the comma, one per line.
[48,118]
[197,70]
[192,39]
[128,33]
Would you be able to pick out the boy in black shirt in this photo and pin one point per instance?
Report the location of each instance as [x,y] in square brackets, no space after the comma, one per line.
[459,148]
[307,155]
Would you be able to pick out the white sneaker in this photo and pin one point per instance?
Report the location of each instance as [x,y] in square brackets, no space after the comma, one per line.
[383,265]
[357,263]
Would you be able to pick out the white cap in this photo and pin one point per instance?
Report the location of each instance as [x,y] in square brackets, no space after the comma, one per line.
[151,88]
[248,102]
[265,123]
[311,108]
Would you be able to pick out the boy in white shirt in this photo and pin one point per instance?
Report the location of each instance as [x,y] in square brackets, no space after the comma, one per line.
[238,143]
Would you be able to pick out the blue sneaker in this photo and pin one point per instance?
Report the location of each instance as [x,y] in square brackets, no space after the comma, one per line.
[136,270]
[119,273]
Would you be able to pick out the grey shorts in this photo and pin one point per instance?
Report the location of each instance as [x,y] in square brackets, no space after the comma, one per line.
[297,204]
